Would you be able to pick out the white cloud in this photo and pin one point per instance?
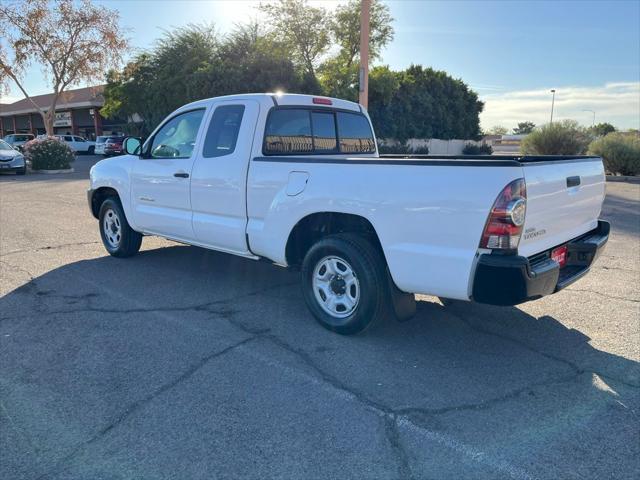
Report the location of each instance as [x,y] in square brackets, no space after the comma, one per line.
[617,103]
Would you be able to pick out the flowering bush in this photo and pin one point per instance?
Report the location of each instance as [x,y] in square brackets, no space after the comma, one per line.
[48,154]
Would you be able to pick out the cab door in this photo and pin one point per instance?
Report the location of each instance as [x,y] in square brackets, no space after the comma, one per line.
[161,176]
[219,180]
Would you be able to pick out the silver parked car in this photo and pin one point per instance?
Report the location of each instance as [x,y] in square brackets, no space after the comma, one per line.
[11,160]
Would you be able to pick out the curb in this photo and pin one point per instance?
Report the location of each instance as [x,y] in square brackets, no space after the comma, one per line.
[53,172]
[623,178]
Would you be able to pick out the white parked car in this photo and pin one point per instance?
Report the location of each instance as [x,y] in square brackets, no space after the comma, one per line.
[78,144]
[297,180]
[100,142]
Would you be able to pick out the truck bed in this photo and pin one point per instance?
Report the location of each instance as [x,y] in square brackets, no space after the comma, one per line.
[520,159]
[432,160]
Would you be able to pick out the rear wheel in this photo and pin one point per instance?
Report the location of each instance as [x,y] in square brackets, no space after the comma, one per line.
[119,239]
[344,283]
[91,150]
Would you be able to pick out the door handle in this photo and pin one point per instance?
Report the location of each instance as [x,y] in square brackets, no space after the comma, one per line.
[181,175]
[573,181]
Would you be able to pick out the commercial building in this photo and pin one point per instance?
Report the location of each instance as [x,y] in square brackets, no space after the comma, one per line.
[77,113]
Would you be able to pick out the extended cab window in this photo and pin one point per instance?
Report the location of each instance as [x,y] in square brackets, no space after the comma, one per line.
[223,130]
[177,137]
[288,131]
[304,130]
[355,133]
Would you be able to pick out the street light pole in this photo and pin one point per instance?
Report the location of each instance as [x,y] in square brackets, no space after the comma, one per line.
[594,117]
[364,53]
[553,100]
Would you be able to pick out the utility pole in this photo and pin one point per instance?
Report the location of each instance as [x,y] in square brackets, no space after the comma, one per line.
[553,100]
[364,52]
[594,116]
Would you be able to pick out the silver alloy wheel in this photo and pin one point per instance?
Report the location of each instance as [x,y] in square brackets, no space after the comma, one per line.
[336,286]
[112,228]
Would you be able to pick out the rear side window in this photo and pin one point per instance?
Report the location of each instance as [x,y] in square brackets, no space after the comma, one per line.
[324,132]
[309,131]
[355,133]
[288,131]
[222,134]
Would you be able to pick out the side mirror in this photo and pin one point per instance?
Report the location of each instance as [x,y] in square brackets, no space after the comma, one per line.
[132,145]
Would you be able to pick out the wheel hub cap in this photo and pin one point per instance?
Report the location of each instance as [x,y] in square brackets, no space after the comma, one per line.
[112,229]
[336,286]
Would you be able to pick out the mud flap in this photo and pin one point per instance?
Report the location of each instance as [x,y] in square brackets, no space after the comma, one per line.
[404,304]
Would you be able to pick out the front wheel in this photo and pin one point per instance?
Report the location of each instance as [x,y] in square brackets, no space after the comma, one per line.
[119,239]
[344,283]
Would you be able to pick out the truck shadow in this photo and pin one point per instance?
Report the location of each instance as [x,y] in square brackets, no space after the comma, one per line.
[461,354]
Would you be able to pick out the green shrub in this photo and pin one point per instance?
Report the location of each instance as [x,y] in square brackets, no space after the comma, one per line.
[620,152]
[402,149]
[560,138]
[395,149]
[482,149]
[48,154]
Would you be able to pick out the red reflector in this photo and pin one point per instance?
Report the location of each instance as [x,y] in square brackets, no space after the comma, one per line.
[322,101]
[560,255]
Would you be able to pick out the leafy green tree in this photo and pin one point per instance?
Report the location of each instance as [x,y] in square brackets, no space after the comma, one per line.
[192,63]
[253,60]
[601,129]
[339,74]
[560,138]
[524,128]
[302,28]
[345,29]
[422,103]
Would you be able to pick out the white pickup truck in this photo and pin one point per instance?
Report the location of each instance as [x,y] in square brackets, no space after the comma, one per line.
[297,180]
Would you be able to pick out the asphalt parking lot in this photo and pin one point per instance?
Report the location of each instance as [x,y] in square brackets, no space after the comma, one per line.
[182,363]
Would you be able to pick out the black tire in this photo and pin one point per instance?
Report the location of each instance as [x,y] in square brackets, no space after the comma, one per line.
[368,265]
[22,171]
[121,241]
[91,150]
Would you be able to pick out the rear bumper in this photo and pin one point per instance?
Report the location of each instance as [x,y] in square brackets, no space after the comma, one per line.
[512,279]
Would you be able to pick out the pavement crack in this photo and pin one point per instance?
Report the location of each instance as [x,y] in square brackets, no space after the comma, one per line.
[395,442]
[134,407]
[489,403]
[48,247]
[606,295]
[574,366]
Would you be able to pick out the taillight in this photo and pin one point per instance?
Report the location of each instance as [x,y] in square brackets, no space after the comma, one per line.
[504,225]
[322,101]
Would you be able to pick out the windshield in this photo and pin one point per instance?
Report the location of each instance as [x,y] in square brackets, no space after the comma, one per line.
[101,139]
[4,145]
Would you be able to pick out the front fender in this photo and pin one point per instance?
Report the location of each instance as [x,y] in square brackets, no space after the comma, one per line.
[115,173]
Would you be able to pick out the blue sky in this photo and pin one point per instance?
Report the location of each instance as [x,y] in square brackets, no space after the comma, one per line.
[511,52]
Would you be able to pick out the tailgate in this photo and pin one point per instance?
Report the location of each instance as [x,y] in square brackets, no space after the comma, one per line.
[564,199]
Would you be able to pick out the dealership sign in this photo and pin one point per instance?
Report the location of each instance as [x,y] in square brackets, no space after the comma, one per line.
[63,119]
